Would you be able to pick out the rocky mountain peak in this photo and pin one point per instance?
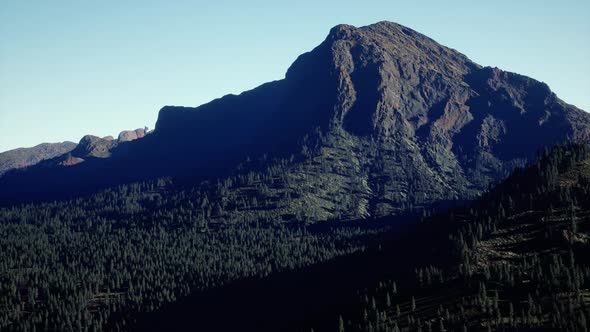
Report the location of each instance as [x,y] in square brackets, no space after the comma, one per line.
[412,121]
[453,124]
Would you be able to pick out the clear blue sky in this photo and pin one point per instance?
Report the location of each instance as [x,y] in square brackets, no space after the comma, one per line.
[70,68]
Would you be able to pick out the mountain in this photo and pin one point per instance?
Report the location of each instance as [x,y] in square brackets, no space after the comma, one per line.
[375,120]
[23,157]
[278,208]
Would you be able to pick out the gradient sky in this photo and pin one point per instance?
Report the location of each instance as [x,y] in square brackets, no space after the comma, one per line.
[70,68]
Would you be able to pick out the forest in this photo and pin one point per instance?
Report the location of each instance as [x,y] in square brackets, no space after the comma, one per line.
[519,259]
[515,259]
[92,262]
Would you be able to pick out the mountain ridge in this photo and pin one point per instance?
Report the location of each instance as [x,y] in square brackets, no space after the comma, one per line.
[66,153]
[23,157]
[392,118]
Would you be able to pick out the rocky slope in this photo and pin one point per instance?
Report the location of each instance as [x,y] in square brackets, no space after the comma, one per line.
[23,157]
[375,120]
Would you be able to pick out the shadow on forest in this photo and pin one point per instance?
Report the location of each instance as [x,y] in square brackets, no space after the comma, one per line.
[307,298]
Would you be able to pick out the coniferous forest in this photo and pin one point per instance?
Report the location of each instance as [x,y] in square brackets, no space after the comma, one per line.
[519,262]
[516,259]
[71,265]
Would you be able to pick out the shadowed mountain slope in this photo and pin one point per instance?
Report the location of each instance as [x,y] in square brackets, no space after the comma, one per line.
[520,259]
[515,259]
[380,117]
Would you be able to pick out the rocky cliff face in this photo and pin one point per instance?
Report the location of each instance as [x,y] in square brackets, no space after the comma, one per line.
[380,119]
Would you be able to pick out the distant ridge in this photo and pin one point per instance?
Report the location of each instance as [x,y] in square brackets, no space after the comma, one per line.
[66,153]
[23,157]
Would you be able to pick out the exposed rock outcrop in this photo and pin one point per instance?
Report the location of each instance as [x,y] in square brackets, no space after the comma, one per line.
[131,135]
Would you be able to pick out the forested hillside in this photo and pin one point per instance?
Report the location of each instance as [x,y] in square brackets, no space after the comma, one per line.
[519,251]
[521,260]
[71,265]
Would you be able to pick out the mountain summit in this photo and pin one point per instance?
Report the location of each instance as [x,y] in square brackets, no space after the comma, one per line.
[388,81]
[375,120]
